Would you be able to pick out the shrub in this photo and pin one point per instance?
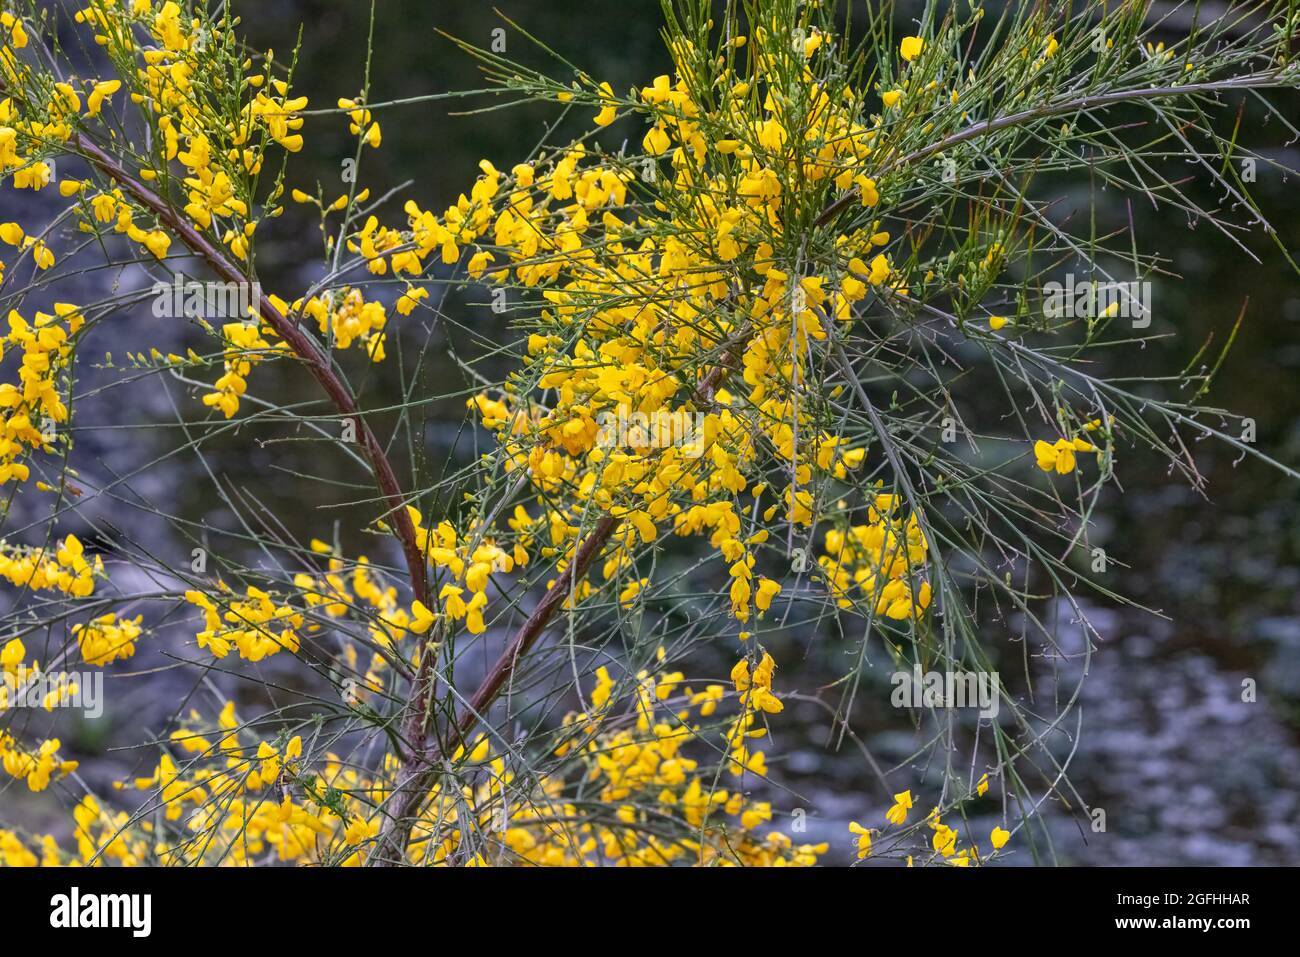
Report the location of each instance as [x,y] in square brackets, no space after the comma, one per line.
[792,364]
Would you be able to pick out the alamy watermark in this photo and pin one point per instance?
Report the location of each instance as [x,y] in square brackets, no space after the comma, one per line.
[653,430]
[73,910]
[1095,300]
[946,689]
[189,298]
[53,689]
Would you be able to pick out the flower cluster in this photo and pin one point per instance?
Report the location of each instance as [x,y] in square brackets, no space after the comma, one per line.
[228,795]
[37,767]
[1059,456]
[254,626]
[33,407]
[107,638]
[944,845]
[67,570]
[877,563]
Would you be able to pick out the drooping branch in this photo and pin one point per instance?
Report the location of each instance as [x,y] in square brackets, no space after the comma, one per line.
[303,346]
[1047,111]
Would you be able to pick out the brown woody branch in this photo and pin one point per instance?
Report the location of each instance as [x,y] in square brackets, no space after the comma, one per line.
[419,771]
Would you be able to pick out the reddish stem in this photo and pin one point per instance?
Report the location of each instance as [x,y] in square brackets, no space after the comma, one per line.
[419,772]
[303,346]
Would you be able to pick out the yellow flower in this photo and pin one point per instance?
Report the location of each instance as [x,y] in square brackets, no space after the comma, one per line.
[478,263]
[609,110]
[158,242]
[999,837]
[421,618]
[902,804]
[864,839]
[1060,456]
[408,300]
[628,595]
[656,141]
[944,840]
[767,590]
[102,89]
[13,655]
[911,48]
[867,188]
[756,686]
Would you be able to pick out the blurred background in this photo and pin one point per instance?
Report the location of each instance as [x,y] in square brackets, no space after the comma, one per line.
[1186,771]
